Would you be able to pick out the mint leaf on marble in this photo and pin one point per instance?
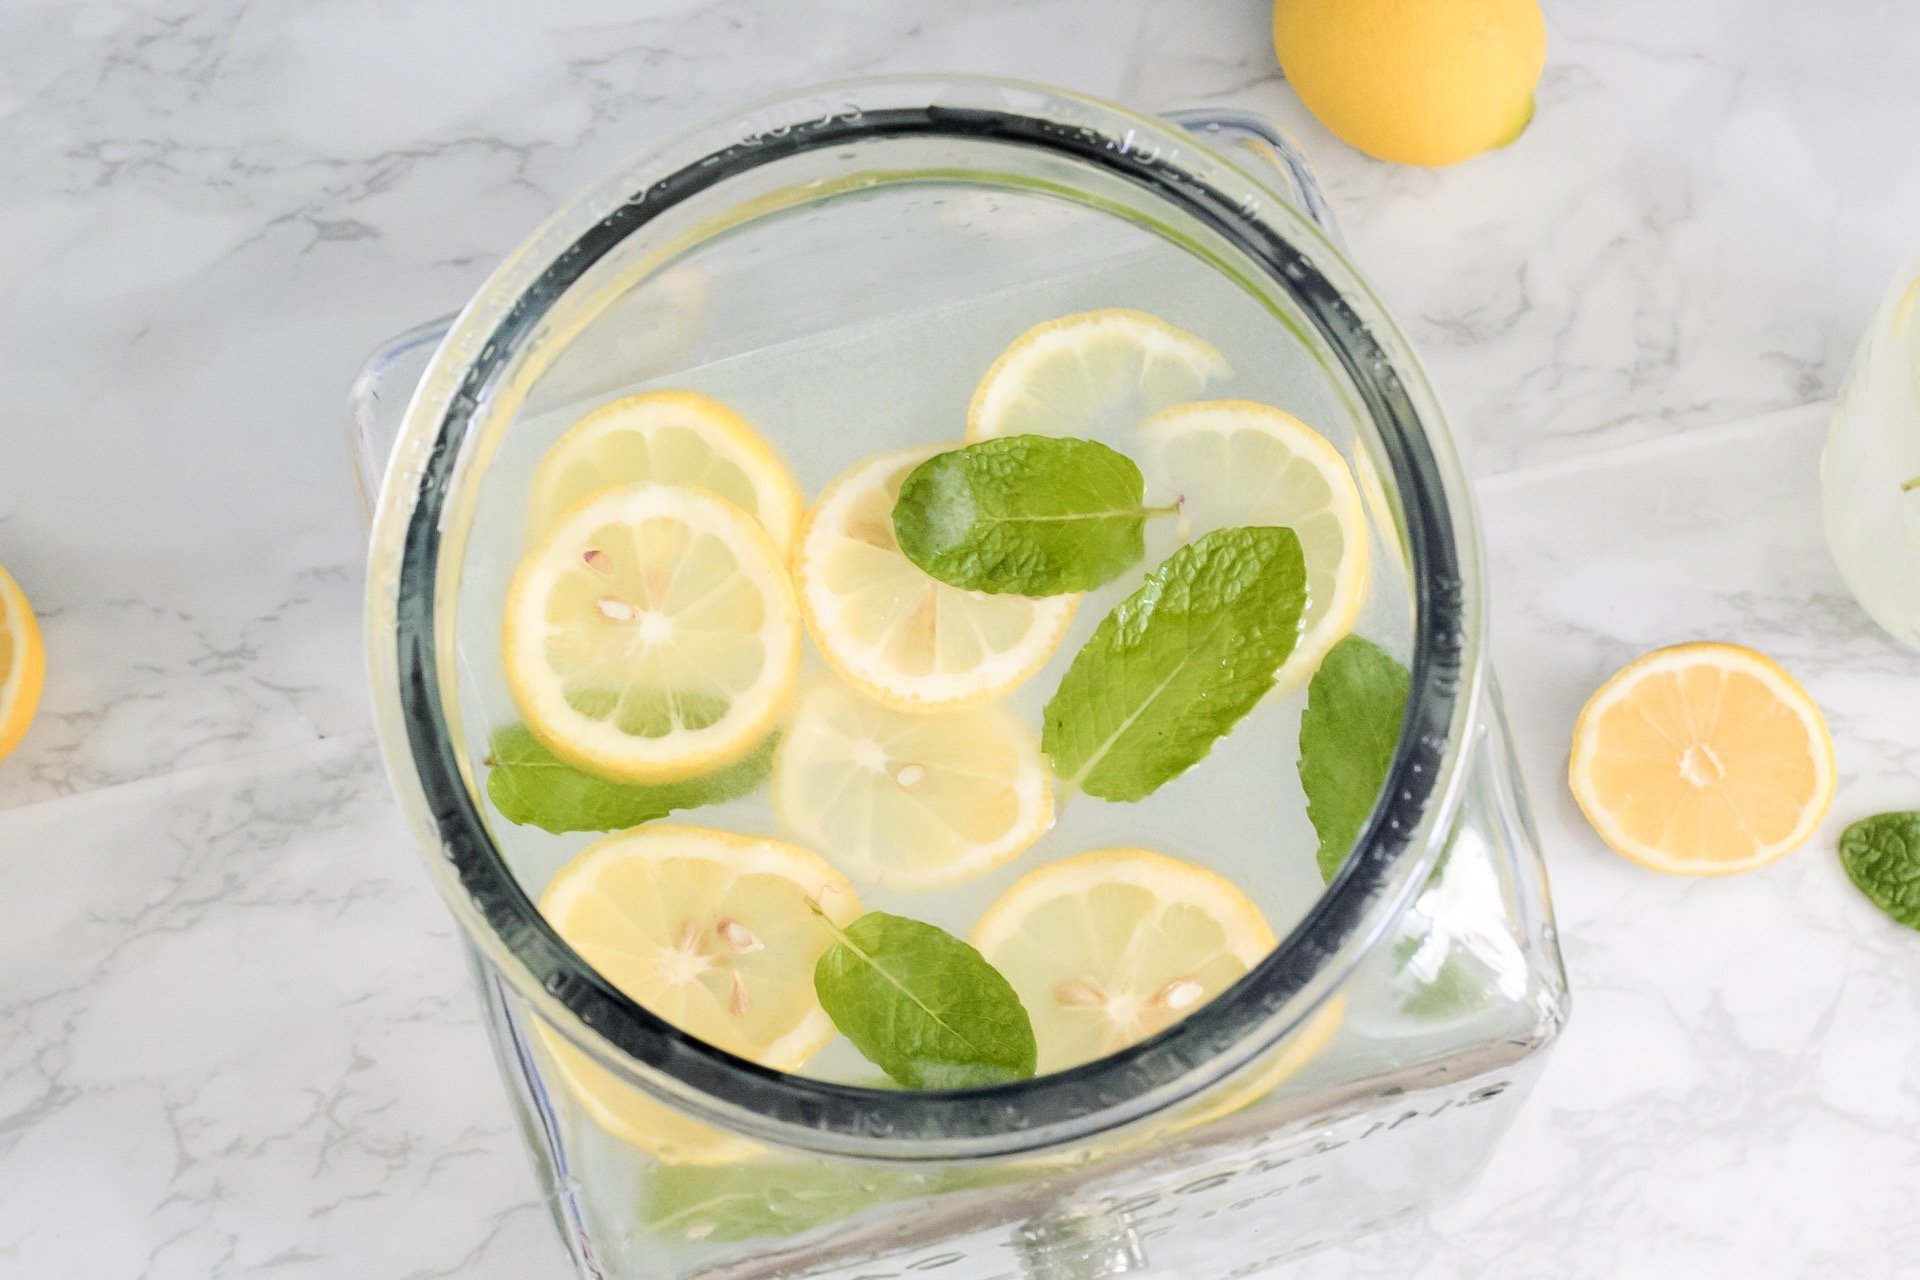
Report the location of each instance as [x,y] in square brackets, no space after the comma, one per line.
[923,1006]
[533,787]
[1882,858]
[1177,663]
[1026,515]
[1348,732]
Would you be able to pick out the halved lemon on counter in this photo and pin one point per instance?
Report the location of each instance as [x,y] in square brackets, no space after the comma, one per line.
[905,800]
[1702,759]
[713,932]
[1231,463]
[669,437]
[23,664]
[892,631]
[1094,375]
[652,636]
[1109,947]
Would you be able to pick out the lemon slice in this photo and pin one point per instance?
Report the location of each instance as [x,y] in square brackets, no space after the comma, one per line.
[1702,759]
[906,800]
[710,931]
[895,633]
[652,635]
[673,437]
[1094,375]
[1110,947]
[23,664]
[636,1118]
[1232,463]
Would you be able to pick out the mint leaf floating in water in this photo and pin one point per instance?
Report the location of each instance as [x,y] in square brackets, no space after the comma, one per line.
[923,1006]
[1025,515]
[1355,704]
[752,1201]
[1177,663]
[1882,857]
[533,787]
[1458,987]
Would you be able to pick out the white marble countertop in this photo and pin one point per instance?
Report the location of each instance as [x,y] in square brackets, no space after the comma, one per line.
[236,1037]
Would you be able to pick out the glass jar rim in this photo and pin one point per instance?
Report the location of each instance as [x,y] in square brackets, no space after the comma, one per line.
[407,632]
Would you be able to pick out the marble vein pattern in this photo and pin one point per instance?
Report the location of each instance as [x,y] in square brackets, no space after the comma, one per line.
[236,1037]
[1735,1092]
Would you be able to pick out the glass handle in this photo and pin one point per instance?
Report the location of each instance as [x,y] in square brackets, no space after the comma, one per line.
[379,402]
[1245,132]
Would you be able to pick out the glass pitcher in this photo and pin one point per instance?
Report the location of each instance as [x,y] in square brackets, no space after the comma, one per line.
[1362,1071]
[1870,468]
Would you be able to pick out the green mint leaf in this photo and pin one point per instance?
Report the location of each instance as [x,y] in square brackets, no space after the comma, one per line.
[752,1201]
[1177,663]
[761,1199]
[533,787]
[923,1006]
[1355,704]
[1026,515]
[1458,988]
[1882,857]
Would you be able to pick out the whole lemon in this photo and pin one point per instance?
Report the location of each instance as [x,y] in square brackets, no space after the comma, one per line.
[1427,82]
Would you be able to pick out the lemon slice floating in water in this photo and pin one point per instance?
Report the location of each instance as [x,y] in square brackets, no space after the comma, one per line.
[893,632]
[712,932]
[1094,375]
[652,635]
[1110,947]
[672,437]
[910,801]
[1232,463]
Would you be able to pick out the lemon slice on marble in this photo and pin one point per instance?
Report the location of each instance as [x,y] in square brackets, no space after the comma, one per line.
[713,932]
[905,800]
[1232,463]
[1094,375]
[1109,947]
[23,664]
[892,631]
[671,437]
[1702,759]
[652,635]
